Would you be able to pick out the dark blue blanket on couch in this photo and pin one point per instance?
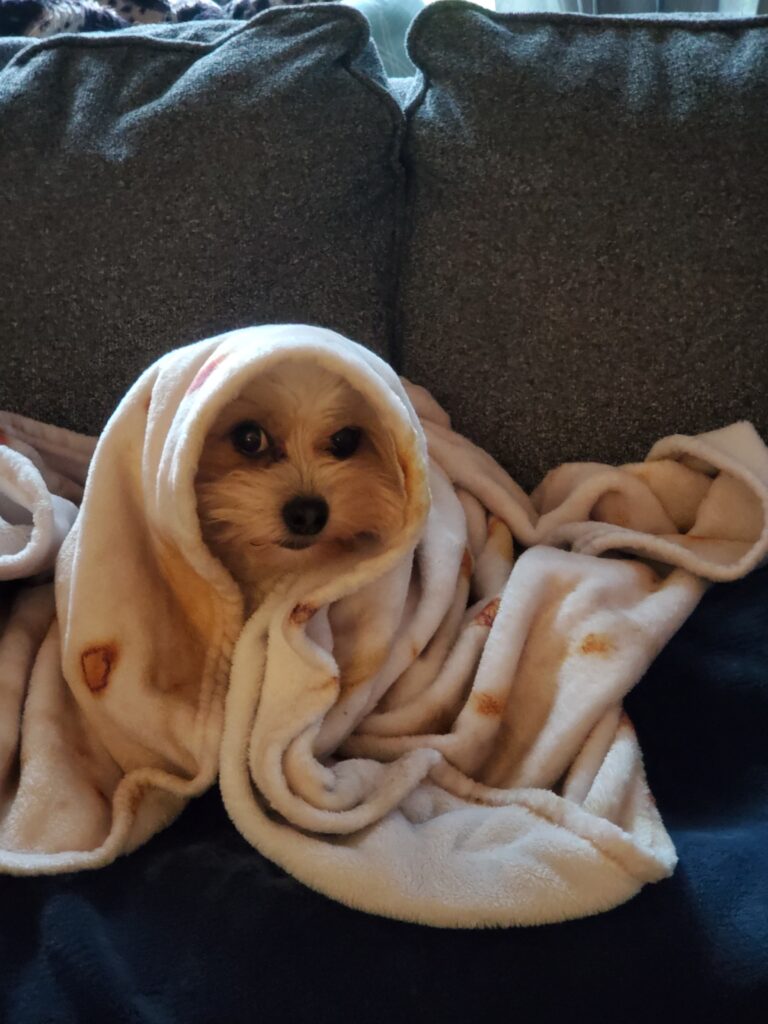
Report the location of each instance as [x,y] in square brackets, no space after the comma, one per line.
[197,927]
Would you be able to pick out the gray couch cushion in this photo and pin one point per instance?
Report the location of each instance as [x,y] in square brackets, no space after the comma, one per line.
[587,262]
[165,183]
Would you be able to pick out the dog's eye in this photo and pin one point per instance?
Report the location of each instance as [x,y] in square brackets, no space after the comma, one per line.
[345,442]
[249,438]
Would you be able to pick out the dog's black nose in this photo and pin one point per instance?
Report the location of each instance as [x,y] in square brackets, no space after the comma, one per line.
[305,515]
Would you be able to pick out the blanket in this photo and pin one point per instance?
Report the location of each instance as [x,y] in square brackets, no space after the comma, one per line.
[43,18]
[433,732]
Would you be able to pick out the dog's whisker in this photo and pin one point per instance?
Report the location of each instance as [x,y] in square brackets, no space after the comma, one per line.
[296,545]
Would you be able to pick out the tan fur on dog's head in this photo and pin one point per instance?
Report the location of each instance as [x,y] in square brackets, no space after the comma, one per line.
[300,439]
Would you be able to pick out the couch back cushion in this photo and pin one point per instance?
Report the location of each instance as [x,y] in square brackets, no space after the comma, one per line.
[587,259]
[166,183]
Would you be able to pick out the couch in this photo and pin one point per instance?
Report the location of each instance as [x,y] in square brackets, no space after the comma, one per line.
[560,226]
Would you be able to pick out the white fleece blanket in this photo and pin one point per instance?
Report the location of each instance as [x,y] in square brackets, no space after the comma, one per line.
[434,733]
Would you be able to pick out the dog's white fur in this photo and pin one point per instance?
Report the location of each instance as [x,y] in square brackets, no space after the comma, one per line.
[300,406]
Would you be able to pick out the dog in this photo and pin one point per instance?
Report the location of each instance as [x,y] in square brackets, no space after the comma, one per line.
[296,474]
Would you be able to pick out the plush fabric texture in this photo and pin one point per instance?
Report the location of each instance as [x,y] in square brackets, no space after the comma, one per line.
[432,732]
[588,209]
[164,183]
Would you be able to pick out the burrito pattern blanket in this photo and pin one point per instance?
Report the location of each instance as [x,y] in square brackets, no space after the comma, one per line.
[433,732]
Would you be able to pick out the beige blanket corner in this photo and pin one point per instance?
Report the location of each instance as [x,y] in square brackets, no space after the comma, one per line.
[435,734]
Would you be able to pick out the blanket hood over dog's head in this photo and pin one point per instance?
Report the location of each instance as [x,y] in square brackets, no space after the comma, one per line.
[195,384]
[149,617]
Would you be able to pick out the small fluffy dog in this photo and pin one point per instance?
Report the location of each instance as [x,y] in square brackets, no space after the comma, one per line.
[295,474]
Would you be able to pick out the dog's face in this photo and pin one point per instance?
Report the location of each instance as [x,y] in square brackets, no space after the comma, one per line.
[294,473]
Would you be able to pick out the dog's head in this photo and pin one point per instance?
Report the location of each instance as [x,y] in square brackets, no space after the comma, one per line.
[294,472]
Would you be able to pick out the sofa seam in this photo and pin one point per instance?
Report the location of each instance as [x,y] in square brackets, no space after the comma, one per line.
[410,195]
[395,151]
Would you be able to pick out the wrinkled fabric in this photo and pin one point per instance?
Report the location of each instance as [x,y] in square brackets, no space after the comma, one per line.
[434,732]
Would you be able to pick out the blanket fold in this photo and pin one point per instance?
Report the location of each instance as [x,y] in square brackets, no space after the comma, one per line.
[432,732]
